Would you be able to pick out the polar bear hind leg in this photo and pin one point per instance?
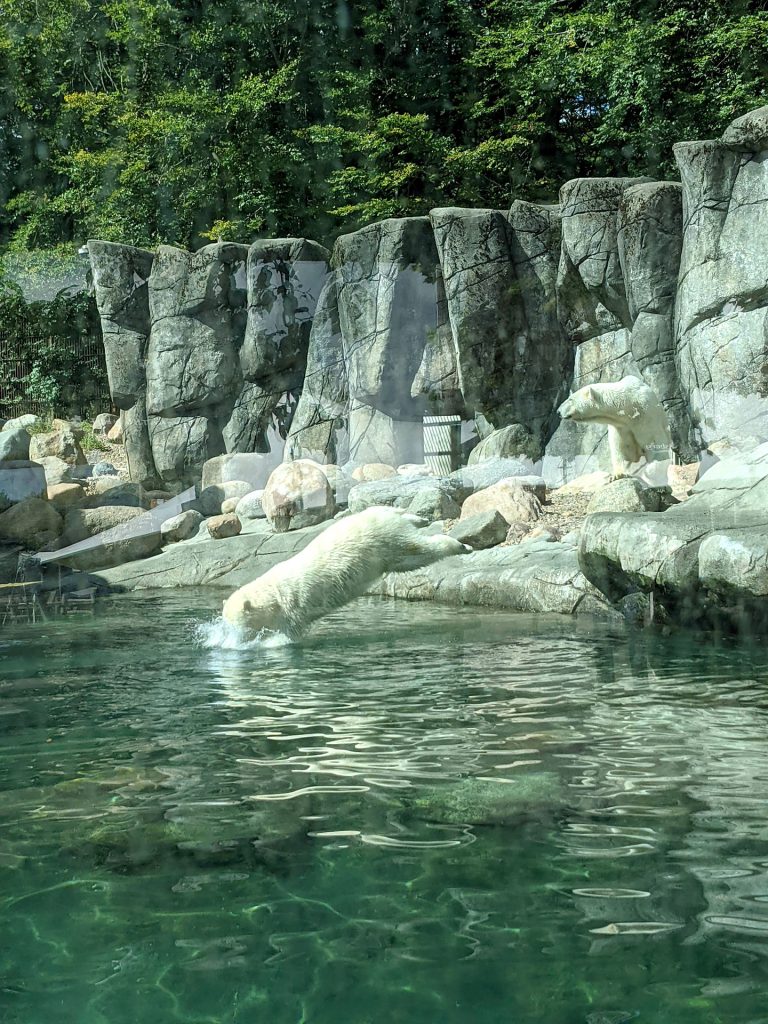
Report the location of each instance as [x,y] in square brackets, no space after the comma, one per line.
[625,451]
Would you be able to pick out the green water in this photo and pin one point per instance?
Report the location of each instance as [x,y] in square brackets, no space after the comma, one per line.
[417,815]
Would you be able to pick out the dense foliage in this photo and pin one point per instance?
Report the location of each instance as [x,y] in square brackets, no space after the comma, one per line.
[187,120]
[51,357]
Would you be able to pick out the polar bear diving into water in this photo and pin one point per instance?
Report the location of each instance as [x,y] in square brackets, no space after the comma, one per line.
[637,422]
[335,568]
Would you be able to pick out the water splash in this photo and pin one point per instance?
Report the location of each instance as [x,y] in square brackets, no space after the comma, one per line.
[222,635]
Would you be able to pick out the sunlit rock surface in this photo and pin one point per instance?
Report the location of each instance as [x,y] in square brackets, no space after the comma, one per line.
[707,556]
[722,296]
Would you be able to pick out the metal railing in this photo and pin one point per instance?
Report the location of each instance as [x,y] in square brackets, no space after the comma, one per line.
[86,394]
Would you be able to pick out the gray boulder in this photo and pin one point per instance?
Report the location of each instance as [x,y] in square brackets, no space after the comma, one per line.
[254,468]
[650,239]
[20,480]
[138,448]
[535,577]
[57,471]
[592,294]
[319,426]
[250,506]
[197,319]
[33,523]
[704,559]
[61,444]
[104,423]
[490,471]
[499,272]
[181,445]
[297,495]
[510,498]
[224,526]
[181,527]
[629,495]
[14,444]
[104,468]
[484,530]
[82,523]
[285,277]
[107,492]
[507,442]
[401,492]
[212,497]
[28,421]
[434,504]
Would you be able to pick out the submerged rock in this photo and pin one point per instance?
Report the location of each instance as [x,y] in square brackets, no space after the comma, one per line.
[489,801]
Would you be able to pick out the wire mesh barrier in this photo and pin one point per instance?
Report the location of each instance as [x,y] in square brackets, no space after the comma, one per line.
[72,369]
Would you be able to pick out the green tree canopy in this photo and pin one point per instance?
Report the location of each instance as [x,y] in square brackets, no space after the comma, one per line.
[185,120]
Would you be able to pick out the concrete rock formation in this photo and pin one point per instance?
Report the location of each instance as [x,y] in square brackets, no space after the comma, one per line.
[495,315]
[206,350]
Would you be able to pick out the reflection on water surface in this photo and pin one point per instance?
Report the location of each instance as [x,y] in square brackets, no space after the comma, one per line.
[417,814]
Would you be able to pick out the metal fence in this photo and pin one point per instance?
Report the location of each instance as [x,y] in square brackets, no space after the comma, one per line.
[86,393]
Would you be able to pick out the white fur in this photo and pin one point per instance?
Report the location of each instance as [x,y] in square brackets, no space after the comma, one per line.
[637,423]
[335,568]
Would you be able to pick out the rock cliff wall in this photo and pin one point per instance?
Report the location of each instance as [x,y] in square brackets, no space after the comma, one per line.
[494,315]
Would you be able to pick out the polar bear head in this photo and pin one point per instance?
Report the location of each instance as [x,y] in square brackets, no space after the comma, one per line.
[253,612]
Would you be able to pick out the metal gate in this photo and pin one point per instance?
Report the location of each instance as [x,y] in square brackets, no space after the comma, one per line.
[24,347]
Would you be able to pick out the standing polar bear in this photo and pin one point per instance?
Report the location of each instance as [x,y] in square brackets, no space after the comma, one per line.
[637,423]
[335,568]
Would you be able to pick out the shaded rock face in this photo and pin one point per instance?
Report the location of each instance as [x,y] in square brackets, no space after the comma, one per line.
[499,271]
[722,300]
[197,317]
[120,280]
[387,308]
[594,313]
[319,428]
[650,237]
[496,316]
[205,350]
